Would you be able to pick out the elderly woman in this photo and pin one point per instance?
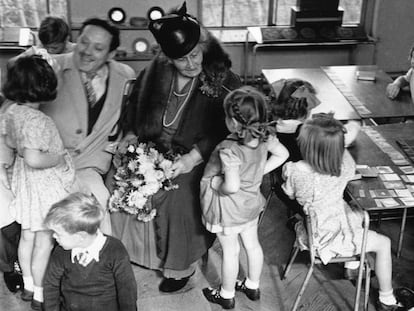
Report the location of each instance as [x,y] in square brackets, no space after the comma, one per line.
[176,103]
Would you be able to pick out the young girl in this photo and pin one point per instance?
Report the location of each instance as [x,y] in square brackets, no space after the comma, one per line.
[43,172]
[318,183]
[230,191]
[291,103]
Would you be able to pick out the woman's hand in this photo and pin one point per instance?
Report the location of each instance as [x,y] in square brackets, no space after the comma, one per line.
[127,140]
[186,163]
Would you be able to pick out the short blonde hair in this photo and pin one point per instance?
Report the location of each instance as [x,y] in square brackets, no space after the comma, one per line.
[321,143]
[75,213]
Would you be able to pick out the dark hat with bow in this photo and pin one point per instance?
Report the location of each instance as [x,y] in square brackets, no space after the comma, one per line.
[176,33]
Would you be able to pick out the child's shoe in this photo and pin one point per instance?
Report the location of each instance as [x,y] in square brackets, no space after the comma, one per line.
[213,295]
[13,280]
[27,295]
[405,296]
[383,307]
[252,294]
[37,305]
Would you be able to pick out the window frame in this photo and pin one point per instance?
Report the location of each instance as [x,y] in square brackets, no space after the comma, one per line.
[272,7]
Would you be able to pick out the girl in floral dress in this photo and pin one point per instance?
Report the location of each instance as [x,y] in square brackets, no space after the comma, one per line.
[230,194]
[318,182]
[43,171]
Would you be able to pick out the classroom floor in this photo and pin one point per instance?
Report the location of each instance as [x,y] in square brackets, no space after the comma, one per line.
[327,290]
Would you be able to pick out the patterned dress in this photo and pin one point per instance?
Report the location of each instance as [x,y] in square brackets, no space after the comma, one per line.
[35,190]
[230,213]
[337,228]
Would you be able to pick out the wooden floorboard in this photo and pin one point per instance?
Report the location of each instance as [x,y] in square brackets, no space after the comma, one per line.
[327,290]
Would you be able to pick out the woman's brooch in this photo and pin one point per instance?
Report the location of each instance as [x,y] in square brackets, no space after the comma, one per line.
[211,84]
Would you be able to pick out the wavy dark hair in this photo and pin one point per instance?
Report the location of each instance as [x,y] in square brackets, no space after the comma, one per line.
[113,30]
[286,107]
[53,30]
[248,107]
[30,79]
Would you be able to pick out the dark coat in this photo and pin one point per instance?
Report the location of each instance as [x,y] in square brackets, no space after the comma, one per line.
[180,235]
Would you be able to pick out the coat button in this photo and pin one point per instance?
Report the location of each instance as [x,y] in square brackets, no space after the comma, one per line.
[78,131]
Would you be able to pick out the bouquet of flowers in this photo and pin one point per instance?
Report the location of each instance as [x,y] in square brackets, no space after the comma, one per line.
[141,171]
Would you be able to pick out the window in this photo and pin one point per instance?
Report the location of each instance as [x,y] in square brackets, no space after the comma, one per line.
[29,13]
[237,13]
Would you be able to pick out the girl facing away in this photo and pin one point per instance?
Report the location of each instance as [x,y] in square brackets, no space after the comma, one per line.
[318,182]
[43,172]
[230,191]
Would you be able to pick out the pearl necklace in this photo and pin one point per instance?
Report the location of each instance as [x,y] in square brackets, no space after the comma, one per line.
[164,122]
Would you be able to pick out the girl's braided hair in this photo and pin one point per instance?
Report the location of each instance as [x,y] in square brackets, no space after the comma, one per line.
[249,108]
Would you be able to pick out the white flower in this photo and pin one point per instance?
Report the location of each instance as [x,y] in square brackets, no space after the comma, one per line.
[141,173]
[136,199]
[131,148]
[133,165]
[150,188]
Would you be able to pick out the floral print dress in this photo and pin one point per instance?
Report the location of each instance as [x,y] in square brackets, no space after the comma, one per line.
[337,228]
[35,190]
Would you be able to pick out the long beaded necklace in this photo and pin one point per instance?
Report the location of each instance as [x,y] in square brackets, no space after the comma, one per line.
[164,122]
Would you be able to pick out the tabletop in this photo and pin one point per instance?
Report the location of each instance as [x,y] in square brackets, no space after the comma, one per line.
[348,97]
[371,93]
[331,98]
[369,151]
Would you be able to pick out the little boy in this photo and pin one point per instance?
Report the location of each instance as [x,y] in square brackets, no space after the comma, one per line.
[87,270]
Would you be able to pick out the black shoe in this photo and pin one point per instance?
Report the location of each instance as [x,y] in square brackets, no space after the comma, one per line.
[169,285]
[26,295]
[352,274]
[13,280]
[252,294]
[405,296]
[213,295]
[383,307]
[37,305]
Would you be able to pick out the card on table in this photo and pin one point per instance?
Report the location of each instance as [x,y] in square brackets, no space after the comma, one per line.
[408,178]
[389,202]
[384,169]
[390,177]
[407,201]
[407,169]
[382,193]
[403,193]
[394,185]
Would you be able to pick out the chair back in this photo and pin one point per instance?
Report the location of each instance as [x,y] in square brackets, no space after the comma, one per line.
[116,131]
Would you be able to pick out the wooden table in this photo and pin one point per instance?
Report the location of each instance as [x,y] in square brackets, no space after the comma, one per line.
[365,151]
[372,93]
[339,90]
[331,98]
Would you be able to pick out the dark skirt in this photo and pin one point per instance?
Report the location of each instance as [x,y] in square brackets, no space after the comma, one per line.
[176,236]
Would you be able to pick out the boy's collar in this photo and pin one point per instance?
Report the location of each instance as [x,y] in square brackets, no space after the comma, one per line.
[93,249]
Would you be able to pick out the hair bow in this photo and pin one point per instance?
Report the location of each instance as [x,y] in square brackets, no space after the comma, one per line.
[311,99]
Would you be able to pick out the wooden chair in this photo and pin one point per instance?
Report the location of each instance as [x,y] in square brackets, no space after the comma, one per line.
[314,259]
[116,131]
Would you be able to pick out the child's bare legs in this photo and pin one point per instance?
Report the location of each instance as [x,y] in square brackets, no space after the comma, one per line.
[43,244]
[381,245]
[254,254]
[230,265]
[25,250]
